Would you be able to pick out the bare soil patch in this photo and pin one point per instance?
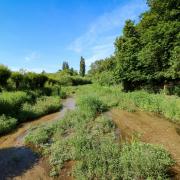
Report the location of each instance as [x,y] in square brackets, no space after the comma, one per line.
[149,128]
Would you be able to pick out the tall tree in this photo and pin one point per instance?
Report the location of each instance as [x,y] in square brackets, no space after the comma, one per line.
[82,67]
[65,65]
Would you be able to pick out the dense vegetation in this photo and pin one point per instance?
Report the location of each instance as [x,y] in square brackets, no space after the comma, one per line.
[147,54]
[87,138]
[17,107]
[168,106]
[28,95]
[146,60]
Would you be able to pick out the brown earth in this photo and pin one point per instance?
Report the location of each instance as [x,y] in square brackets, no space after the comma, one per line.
[18,161]
[149,128]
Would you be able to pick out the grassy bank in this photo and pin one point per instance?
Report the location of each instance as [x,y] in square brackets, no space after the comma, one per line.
[87,138]
[168,106]
[17,107]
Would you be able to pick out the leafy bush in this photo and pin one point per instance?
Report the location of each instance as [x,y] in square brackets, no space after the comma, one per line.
[40,135]
[176,90]
[168,106]
[91,104]
[76,80]
[43,105]
[7,124]
[5,73]
[140,160]
[105,78]
[11,102]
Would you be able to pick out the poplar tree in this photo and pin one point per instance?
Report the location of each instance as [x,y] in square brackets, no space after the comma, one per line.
[82,67]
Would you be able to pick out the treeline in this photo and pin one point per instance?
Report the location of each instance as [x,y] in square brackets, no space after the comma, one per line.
[147,53]
[23,80]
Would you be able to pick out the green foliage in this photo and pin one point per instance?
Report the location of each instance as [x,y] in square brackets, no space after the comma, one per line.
[34,81]
[43,105]
[82,70]
[5,74]
[7,124]
[65,65]
[158,103]
[65,78]
[90,143]
[106,78]
[11,102]
[91,104]
[39,136]
[147,53]
[17,78]
[76,80]
[140,160]
[22,106]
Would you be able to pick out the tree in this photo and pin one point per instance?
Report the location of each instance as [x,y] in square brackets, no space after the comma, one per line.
[128,69]
[5,74]
[65,65]
[82,67]
[147,52]
[17,78]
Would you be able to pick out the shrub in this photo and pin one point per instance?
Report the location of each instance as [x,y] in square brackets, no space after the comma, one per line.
[17,78]
[105,78]
[80,81]
[91,104]
[43,105]
[140,160]
[5,74]
[39,135]
[168,106]
[7,124]
[11,102]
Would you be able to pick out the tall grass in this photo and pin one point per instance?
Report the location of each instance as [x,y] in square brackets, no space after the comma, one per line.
[43,105]
[168,106]
[88,138]
[11,102]
[17,107]
[7,124]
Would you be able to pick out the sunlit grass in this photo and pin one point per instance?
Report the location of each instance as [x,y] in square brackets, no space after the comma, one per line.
[88,138]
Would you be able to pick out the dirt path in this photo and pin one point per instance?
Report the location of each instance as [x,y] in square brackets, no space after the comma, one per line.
[19,162]
[151,129]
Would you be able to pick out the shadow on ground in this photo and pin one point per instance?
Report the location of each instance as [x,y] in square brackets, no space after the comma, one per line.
[14,161]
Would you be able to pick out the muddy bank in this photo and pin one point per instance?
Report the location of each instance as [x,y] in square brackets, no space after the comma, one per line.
[150,129]
[20,162]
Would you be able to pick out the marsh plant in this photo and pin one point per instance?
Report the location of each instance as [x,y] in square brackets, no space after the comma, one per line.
[87,137]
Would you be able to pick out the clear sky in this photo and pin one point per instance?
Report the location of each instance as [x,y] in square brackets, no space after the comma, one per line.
[40,34]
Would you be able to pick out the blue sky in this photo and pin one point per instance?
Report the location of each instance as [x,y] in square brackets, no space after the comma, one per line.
[39,35]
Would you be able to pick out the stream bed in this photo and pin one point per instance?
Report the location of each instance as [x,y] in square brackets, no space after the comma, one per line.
[18,161]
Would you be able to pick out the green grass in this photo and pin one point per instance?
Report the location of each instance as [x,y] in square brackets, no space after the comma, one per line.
[7,124]
[168,106]
[19,106]
[88,138]
[43,106]
[11,102]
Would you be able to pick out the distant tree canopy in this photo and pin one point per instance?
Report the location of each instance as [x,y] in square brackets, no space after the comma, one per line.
[34,81]
[82,67]
[5,74]
[148,52]
[17,78]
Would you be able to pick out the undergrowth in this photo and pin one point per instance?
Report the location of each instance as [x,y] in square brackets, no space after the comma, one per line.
[87,138]
[7,124]
[168,106]
[17,107]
